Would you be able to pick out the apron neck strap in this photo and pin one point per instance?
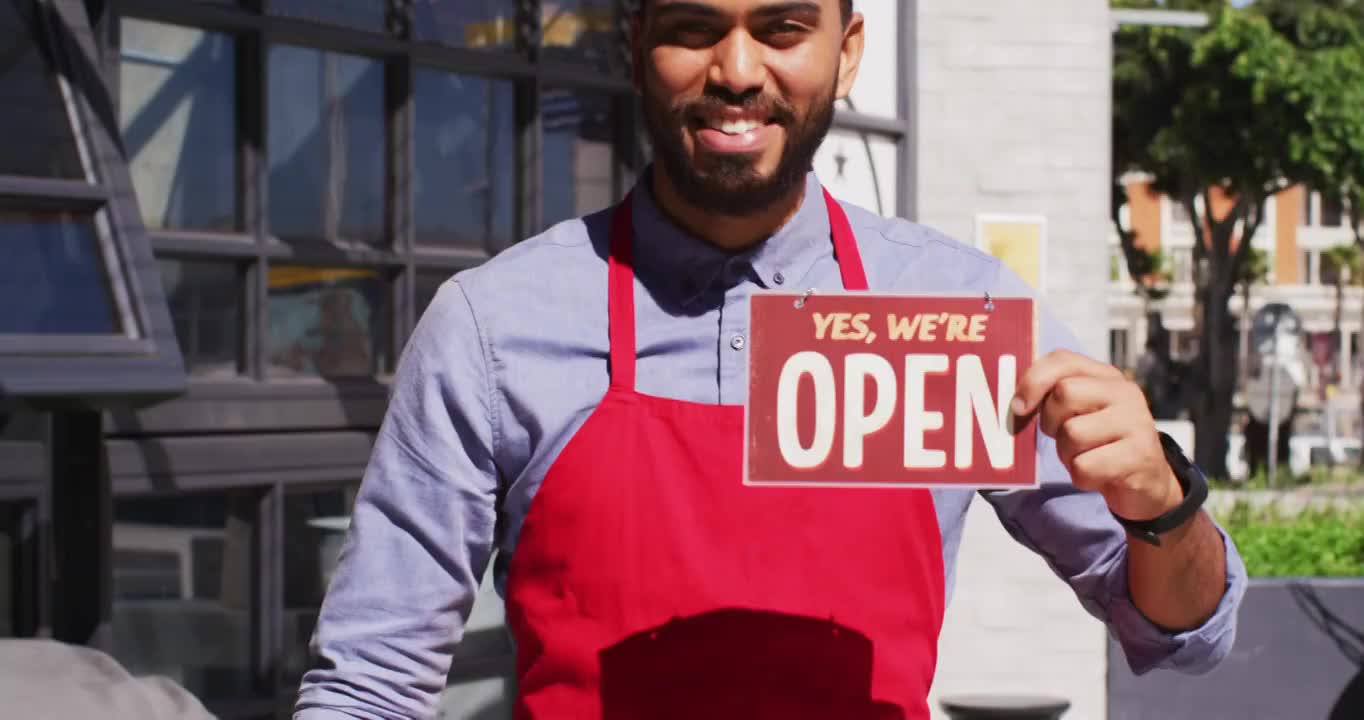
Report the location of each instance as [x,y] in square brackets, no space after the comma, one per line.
[621,298]
[845,247]
[620,307]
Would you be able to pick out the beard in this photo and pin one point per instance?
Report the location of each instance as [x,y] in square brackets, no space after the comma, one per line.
[730,184]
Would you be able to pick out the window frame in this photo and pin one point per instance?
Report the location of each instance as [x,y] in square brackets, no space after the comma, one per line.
[268,401]
[143,361]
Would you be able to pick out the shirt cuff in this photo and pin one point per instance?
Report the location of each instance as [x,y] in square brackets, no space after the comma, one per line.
[1193,652]
[317,713]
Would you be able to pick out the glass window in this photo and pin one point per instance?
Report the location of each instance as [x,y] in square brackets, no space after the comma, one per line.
[184,587]
[205,301]
[331,322]
[1307,215]
[465,23]
[52,279]
[860,168]
[582,31]
[465,183]
[1332,211]
[428,284]
[1181,265]
[1179,215]
[362,14]
[327,145]
[877,90]
[1305,267]
[177,111]
[1117,347]
[579,128]
[315,525]
[39,140]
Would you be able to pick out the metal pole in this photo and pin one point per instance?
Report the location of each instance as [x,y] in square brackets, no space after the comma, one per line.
[1274,408]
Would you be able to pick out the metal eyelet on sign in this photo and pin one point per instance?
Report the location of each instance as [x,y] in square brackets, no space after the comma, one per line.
[800,301]
[989,302]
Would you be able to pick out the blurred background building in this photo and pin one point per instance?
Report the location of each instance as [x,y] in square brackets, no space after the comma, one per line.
[1308,263]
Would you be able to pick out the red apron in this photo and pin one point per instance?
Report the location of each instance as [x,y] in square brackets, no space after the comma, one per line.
[649,582]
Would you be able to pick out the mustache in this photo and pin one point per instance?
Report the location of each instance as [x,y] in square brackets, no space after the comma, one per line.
[755,103]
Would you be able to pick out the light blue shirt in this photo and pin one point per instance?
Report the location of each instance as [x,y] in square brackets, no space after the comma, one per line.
[511,358]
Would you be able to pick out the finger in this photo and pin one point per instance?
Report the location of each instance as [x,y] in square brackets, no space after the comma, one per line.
[1082,433]
[1074,395]
[1099,467]
[1043,374]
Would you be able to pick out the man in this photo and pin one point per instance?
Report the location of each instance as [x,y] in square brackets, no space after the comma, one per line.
[575,405]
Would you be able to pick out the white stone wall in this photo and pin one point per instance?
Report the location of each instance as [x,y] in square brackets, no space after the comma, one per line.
[1013,627]
[1012,115]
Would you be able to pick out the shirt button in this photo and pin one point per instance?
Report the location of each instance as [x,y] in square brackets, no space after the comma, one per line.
[778,278]
[737,342]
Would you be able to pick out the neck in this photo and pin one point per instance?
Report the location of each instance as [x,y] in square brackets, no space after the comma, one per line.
[727,232]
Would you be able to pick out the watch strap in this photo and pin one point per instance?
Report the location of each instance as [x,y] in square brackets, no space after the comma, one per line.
[1191,480]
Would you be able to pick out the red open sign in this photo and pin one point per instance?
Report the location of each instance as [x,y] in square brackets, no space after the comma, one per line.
[862,389]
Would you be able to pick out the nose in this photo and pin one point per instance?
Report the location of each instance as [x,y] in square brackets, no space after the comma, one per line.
[738,64]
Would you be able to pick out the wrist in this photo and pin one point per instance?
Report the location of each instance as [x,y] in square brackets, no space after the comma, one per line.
[1186,490]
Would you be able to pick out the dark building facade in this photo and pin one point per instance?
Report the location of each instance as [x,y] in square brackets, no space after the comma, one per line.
[219,222]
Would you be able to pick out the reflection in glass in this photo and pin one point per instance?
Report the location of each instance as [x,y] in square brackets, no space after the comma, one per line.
[577,153]
[205,301]
[464,183]
[332,322]
[315,526]
[581,31]
[52,279]
[860,168]
[326,146]
[184,588]
[428,284]
[465,23]
[39,140]
[362,14]
[177,111]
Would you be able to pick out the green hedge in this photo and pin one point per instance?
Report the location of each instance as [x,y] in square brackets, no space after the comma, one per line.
[1314,543]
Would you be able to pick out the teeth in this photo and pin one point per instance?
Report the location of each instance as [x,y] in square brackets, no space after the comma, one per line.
[736,127]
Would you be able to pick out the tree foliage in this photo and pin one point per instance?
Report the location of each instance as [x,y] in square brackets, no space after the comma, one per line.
[1223,117]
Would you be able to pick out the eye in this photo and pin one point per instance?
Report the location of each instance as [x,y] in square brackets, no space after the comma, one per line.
[689,33]
[785,32]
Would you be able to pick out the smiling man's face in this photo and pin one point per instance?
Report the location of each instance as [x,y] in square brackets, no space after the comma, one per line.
[738,94]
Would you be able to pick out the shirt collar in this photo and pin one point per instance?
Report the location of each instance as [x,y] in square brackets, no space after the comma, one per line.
[690,266]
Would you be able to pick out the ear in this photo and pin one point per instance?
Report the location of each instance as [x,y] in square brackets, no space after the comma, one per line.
[850,55]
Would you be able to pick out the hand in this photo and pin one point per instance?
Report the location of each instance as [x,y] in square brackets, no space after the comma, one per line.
[1104,432]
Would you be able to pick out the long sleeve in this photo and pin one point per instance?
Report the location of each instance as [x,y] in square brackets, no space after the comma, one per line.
[1078,537]
[421,532]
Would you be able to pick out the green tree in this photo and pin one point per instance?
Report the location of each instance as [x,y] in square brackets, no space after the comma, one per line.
[1344,262]
[1223,117]
[1330,37]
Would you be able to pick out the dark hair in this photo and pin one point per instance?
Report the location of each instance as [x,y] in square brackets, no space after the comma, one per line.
[846,6]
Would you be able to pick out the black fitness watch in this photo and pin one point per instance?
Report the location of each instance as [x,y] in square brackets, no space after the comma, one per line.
[1191,480]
